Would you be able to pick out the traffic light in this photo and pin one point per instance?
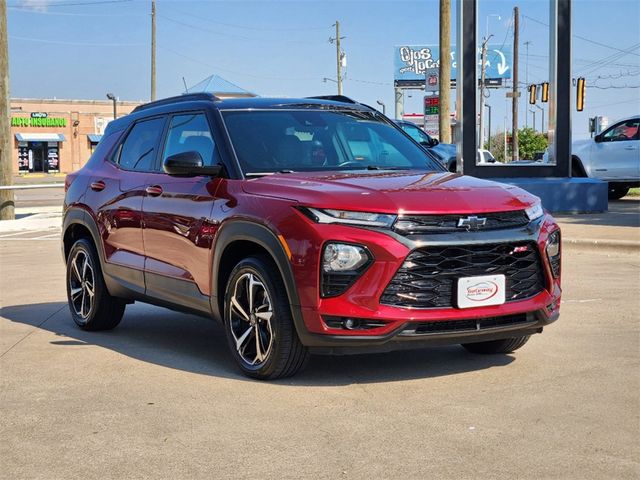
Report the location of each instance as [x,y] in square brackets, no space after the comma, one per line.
[580,91]
[532,94]
[545,92]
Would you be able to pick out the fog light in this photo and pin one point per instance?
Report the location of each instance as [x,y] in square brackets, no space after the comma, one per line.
[342,257]
[350,324]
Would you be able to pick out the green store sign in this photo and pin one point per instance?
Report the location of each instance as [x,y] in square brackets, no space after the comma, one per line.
[38,122]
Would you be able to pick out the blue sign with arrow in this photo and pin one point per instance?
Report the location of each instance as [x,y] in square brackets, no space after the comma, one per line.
[412,61]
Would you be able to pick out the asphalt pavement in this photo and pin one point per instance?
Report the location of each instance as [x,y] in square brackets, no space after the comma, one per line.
[160,397]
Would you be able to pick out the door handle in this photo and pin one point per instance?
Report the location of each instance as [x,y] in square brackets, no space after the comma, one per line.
[154,190]
[98,186]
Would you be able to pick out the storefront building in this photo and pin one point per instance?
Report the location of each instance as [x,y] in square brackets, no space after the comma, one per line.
[58,136]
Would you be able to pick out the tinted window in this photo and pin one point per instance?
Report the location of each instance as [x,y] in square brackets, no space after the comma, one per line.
[139,149]
[190,133]
[270,141]
[417,134]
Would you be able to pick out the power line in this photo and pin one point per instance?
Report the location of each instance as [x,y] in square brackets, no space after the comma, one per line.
[609,87]
[230,35]
[71,14]
[76,4]
[215,67]
[247,27]
[582,38]
[78,44]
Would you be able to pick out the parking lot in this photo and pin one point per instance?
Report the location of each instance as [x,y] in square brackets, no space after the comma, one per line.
[160,397]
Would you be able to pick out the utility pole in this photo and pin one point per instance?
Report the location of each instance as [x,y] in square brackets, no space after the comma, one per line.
[153,50]
[488,107]
[339,56]
[526,81]
[7,204]
[515,154]
[483,70]
[444,122]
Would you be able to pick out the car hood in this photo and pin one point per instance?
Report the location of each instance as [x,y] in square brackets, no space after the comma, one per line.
[392,192]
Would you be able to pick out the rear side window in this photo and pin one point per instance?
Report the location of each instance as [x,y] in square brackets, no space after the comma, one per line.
[188,133]
[139,150]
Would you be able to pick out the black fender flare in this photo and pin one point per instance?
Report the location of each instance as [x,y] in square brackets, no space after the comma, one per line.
[246,230]
[576,160]
[79,216]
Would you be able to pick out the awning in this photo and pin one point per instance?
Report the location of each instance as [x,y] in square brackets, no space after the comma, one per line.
[94,137]
[40,137]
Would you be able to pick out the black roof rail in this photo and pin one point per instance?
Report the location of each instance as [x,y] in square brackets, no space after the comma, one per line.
[335,98]
[187,97]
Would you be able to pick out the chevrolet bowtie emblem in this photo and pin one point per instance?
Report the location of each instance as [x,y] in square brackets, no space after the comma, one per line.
[472,223]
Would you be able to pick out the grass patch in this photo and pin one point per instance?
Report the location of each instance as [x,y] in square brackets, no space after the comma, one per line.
[634,192]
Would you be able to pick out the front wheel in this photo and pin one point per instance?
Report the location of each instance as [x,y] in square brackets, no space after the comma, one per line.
[617,192]
[507,345]
[258,321]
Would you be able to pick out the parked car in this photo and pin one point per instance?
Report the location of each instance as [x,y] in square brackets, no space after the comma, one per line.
[612,156]
[446,152]
[485,157]
[303,226]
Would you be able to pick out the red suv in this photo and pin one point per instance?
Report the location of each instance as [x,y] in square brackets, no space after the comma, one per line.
[304,226]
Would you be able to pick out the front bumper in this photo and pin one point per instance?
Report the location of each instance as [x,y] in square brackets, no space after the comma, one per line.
[406,335]
[362,301]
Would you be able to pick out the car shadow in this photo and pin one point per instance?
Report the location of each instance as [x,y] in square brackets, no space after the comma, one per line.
[197,345]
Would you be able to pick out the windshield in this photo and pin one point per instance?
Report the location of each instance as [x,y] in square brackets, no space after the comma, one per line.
[317,140]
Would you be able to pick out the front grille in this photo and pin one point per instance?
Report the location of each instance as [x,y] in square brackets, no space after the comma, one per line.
[428,277]
[416,224]
[476,325]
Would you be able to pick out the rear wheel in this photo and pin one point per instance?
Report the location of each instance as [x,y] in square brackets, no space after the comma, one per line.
[258,321]
[506,345]
[91,305]
[616,192]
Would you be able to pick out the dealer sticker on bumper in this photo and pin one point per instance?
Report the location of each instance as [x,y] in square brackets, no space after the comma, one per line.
[481,291]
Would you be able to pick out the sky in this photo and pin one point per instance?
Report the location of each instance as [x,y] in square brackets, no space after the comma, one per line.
[82,49]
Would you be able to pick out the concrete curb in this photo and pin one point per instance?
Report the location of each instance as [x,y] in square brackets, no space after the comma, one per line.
[595,245]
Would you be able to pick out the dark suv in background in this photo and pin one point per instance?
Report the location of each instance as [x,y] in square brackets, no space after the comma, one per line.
[303,225]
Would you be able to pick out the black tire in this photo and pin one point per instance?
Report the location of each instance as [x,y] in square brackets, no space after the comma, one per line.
[617,192]
[283,355]
[493,347]
[104,311]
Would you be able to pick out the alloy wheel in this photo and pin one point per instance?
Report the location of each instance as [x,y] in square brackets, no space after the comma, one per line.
[82,284]
[251,312]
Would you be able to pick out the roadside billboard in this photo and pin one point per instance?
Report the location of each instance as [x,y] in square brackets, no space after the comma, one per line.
[411,63]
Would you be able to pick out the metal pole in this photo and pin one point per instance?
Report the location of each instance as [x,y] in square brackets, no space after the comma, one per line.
[7,200]
[483,69]
[489,133]
[381,103]
[399,107]
[466,84]
[533,112]
[115,108]
[444,74]
[526,81]
[515,155]
[338,58]
[153,51]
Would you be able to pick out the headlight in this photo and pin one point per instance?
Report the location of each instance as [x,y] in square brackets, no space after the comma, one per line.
[553,253]
[350,217]
[535,211]
[342,257]
[341,265]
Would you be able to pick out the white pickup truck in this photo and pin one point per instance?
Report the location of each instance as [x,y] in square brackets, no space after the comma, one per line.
[612,156]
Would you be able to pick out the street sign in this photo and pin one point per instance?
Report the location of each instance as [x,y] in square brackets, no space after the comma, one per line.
[431,105]
[432,80]
[431,115]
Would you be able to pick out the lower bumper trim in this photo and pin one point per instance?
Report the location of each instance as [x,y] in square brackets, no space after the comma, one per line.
[410,335]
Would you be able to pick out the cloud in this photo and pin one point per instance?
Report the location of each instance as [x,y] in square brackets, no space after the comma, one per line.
[37,5]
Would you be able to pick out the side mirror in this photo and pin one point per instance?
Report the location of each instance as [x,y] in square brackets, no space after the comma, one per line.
[189,164]
[434,142]
[597,138]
